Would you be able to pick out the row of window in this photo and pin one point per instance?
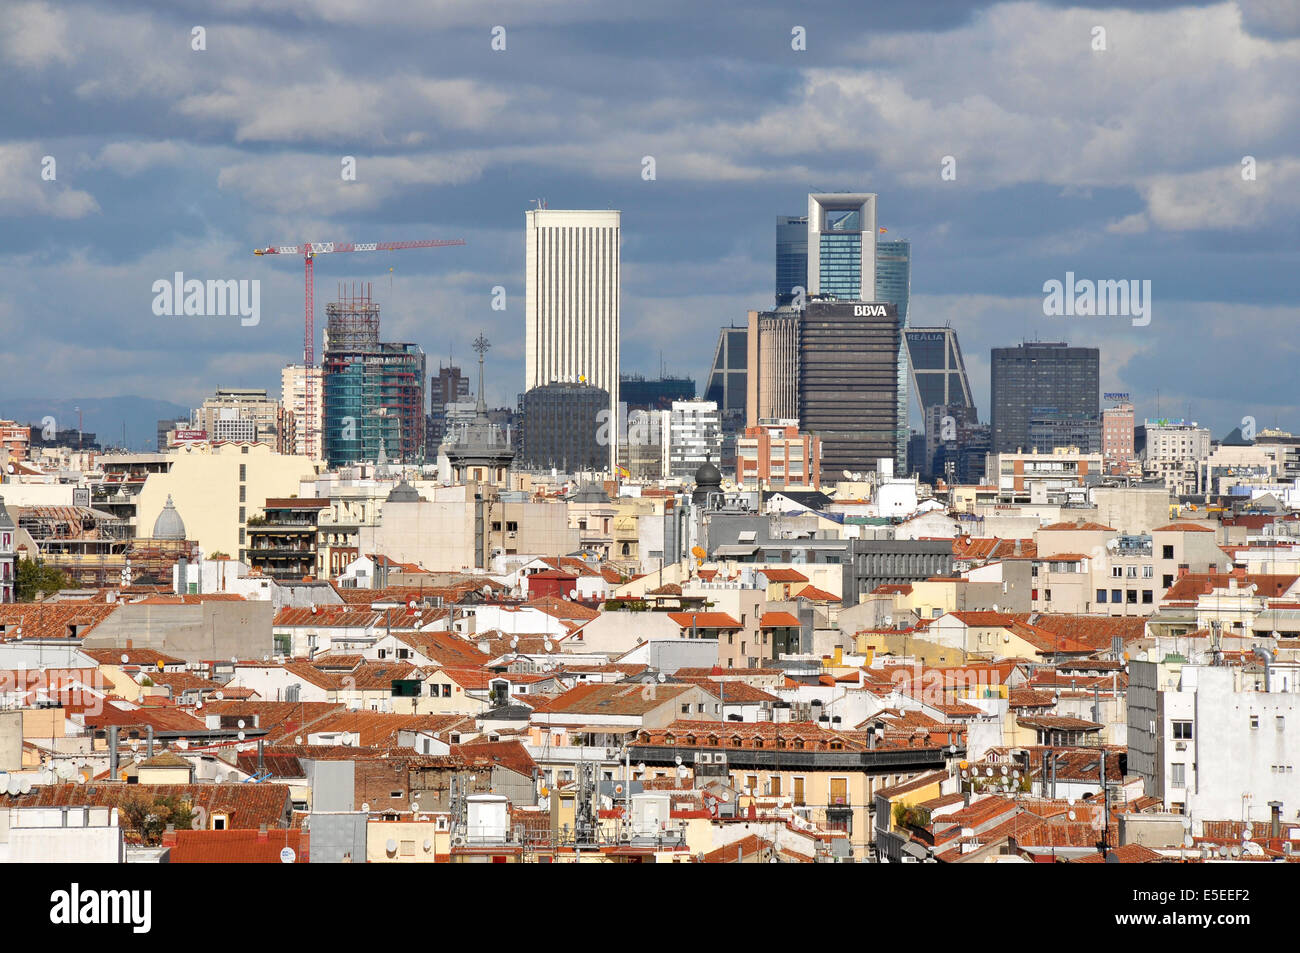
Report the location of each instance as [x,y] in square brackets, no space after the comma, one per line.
[1119,595]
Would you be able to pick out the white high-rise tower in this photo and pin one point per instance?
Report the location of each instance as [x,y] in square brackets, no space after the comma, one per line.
[571,302]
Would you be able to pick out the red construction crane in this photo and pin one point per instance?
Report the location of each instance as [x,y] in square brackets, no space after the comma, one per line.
[309,250]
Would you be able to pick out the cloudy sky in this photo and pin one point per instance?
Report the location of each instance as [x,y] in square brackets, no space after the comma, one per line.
[1122,163]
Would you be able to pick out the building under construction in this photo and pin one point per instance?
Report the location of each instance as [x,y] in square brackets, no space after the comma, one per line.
[373,390]
[94,548]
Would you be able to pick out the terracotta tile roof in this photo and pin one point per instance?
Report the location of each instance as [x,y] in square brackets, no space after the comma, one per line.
[817,595]
[563,609]
[992,547]
[50,620]
[247,806]
[1030,698]
[732,692]
[1057,723]
[1127,854]
[472,679]
[615,699]
[272,716]
[667,589]
[784,575]
[1080,526]
[893,588]
[164,720]
[146,658]
[1183,528]
[772,620]
[1095,631]
[326,617]
[746,847]
[704,620]
[180,682]
[508,754]
[1188,587]
[444,648]
[236,846]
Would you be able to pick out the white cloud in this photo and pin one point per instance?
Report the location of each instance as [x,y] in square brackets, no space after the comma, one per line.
[23,191]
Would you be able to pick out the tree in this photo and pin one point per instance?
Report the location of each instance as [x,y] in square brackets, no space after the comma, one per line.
[148,819]
[35,580]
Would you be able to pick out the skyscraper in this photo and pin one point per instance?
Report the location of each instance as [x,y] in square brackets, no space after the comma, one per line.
[1051,388]
[938,371]
[571,301]
[894,286]
[791,256]
[842,245]
[848,383]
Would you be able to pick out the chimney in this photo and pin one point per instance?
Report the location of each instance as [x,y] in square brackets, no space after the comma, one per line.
[871,739]
[261,762]
[112,753]
[1017,547]
[965,798]
[261,834]
[149,740]
[169,836]
[1275,823]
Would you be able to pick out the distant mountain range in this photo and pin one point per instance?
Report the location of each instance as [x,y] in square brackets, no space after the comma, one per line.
[108,418]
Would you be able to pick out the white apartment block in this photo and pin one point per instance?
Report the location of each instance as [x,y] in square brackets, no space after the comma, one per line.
[1213,743]
[694,436]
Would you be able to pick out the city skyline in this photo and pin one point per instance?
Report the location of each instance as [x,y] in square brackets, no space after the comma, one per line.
[465,155]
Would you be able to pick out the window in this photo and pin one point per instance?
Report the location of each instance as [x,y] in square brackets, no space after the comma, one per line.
[243,472]
[1047,594]
[839,793]
[1182,730]
[512,526]
[1166,552]
[1281,722]
[1131,572]
[1101,595]
[1178,775]
[1254,721]
[395,794]
[1148,572]
[686,709]
[242,515]
[1117,572]
[1166,581]
[1117,595]
[1146,597]
[1132,597]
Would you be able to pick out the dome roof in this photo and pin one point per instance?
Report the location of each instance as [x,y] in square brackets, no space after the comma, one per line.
[169,524]
[403,493]
[708,475]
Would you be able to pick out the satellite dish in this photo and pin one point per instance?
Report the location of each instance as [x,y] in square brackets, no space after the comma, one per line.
[366,806]
[1245,835]
[240,736]
[199,703]
[678,761]
[641,766]
[125,658]
[1236,851]
[313,610]
[135,744]
[411,604]
[137,758]
[549,645]
[573,593]
[297,740]
[25,786]
[662,677]
[218,694]
[234,660]
[415,807]
[1004,770]
[428,845]
[266,658]
[183,743]
[618,789]
[988,772]
[1071,815]
[1188,840]
[240,723]
[391,846]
